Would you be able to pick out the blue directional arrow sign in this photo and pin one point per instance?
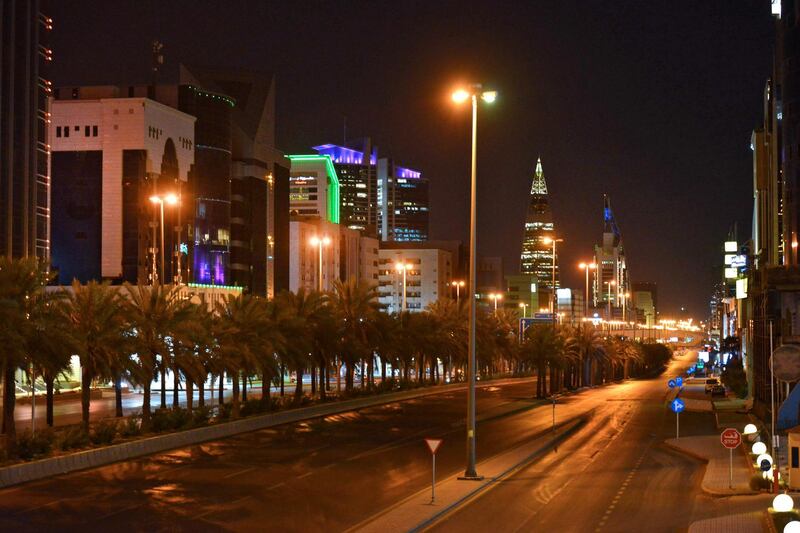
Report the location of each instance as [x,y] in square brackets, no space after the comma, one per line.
[677,405]
[679,381]
[671,384]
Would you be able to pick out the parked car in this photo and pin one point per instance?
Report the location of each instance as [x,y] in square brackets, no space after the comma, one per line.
[718,390]
[710,384]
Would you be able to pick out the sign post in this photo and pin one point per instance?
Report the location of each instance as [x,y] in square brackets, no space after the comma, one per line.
[433,445]
[677,406]
[730,438]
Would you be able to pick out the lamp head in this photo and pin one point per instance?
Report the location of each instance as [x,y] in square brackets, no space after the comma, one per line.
[489,96]
[155,199]
[314,241]
[583,266]
[460,96]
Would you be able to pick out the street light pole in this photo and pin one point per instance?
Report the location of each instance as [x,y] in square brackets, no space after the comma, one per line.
[156,199]
[320,242]
[609,283]
[489,97]
[403,268]
[586,267]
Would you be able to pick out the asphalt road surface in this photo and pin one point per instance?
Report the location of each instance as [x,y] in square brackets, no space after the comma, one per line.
[329,474]
[614,475]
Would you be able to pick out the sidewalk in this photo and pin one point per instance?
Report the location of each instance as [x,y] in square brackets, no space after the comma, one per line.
[716,480]
[736,523]
[418,512]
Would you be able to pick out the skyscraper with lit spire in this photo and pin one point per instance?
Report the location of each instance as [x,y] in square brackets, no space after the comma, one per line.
[537,255]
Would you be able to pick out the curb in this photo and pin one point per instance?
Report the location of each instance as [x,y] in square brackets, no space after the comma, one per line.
[93,458]
[706,460]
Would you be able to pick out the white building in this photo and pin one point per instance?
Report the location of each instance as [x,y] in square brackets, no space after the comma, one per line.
[428,275]
[109,155]
[306,236]
[313,187]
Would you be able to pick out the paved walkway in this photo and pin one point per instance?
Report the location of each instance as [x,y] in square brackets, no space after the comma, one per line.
[417,511]
[736,523]
[716,480]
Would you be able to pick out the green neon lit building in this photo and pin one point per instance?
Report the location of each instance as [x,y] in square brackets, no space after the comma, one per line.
[309,193]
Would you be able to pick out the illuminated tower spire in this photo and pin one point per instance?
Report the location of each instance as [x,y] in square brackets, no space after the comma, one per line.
[539,186]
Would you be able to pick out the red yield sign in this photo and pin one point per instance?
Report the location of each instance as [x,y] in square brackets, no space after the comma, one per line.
[433,444]
[730,438]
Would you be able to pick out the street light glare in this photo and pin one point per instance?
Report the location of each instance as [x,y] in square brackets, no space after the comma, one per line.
[326,241]
[171,199]
[155,199]
[314,241]
[460,96]
[489,96]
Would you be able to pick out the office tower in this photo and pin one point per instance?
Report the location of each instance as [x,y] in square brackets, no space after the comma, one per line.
[537,252]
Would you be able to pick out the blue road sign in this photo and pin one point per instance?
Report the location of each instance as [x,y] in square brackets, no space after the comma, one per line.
[679,381]
[677,405]
[671,384]
[765,465]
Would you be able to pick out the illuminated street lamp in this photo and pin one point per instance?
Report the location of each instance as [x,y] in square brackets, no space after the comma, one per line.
[550,240]
[320,242]
[403,268]
[472,93]
[495,296]
[587,267]
[524,306]
[458,284]
[170,199]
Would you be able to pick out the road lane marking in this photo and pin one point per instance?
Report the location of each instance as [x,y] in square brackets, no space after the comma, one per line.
[234,474]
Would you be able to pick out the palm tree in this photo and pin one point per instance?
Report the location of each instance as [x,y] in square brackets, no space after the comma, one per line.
[156,314]
[22,283]
[589,343]
[240,325]
[52,345]
[357,305]
[98,329]
[543,345]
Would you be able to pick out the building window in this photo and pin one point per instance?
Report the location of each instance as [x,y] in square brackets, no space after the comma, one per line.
[58,131]
[77,128]
[94,131]
[86,131]
[66,131]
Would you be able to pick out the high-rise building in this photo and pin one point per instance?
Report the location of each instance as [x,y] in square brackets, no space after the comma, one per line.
[355,166]
[645,301]
[378,196]
[611,283]
[24,118]
[427,279]
[109,156]
[314,188]
[537,251]
[403,199]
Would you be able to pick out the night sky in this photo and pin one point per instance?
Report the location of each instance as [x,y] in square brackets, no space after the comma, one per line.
[652,102]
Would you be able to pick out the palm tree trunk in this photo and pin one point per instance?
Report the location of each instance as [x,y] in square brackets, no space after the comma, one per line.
[264,385]
[323,380]
[298,386]
[235,390]
[146,404]
[221,391]
[189,393]
[313,381]
[118,397]
[201,393]
[86,384]
[283,373]
[371,370]
[9,401]
[244,387]
[176,385]
[163,385]
[383,369]
[49,381]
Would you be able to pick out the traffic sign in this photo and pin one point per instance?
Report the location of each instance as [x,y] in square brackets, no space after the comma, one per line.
[730,438]
[677,405]
[671,384]
[433,444]
[679,381]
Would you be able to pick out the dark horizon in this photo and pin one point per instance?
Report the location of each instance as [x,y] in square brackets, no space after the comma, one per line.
[651,105]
